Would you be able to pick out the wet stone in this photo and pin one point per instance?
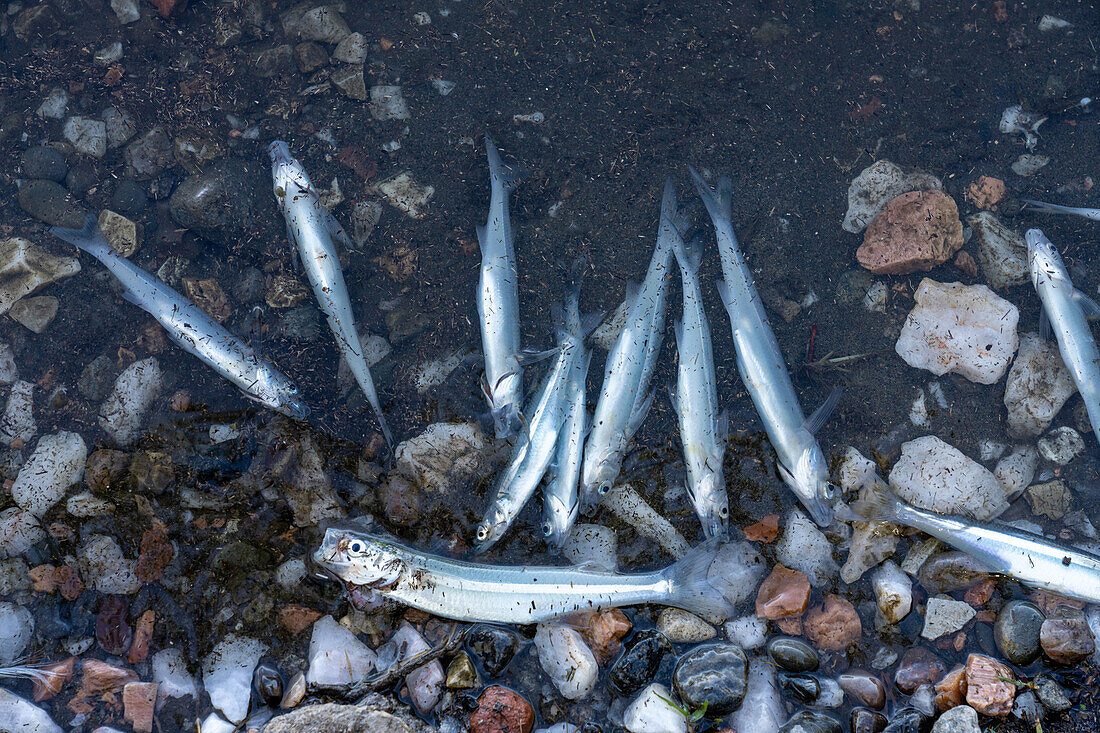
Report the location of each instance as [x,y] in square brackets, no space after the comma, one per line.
[1051,695]
[129,198]
[81,178]
[36,314]
[150,154]
[793,655]
[44,162]
[950,571]
[639,662]
[461,674]
[918,667]
[682,627]
[310,56]
[272,62]
[49,202]
[802,688]
[714,675]
[990,687]
[493,646]
[220,203]
[906,720]
[833,625]
[863,720]
[864,687]
[500,710]
[784,593]
[1067,641]
[811,722]
[1016,632]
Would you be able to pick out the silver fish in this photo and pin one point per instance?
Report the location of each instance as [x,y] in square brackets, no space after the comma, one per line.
[625,397]
[760,363]
[703,430]
[191,327]
[1064,312]
[1045,208]
[498,302]
[315,232]
[511,594]
[1029,558]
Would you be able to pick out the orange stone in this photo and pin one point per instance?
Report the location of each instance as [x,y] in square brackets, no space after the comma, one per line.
[56,675]
[979,594]
[605,631]
[915,231]
[990,687]
[783,594]
[297,619]
[833,625]
[986,192]
[42,578]
[766,530]
[951,690]
[500,710]
[138,702]
[143,635]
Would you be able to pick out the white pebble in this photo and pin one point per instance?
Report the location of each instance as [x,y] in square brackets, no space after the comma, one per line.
[893,592]
[17,714]
[625,503]
[388,103]
[434,372]
[682,627]
[933,475]
[651,712]
[592,545]
[803,546]
[227,674]
[1038,385]
[126,10]
[19,531]
[763,709]
[945,616]
[86,504]
[291,573]
[1053,23]
[336,656]
[223,433]
[1016,470]
[16,629]
[8,371]
[124,410]
[425,683]
[18,420]
[56,464]
[443,86]
[748,632]
[875,298]
[567,660]
[169,667]
[988,450]
[88,136]
[1061,445]
[55,104]
[105,568]
[422,18]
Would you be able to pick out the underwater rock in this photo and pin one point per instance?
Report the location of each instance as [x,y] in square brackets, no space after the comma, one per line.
[785,593]
[986,192]
[35,314]
[336,656]
[802,546]
[945,616]
[425,683]
[1016,470]
[833,625]
[105,568]
[444,458]
[567,660]
[592,544]
[639,662]
[9,372]
[1001,251]
[747,632]
[500,710]
[150,154]
[18,420]
[893,592]
[169,669]
[16,630]
[19,531]
[404,193]
[990,687]
[88,136]
[220,203]
[17,714]
[388,103]
[43,161]
[1037,387]
[915,231]
[121,233]
[959,329]
[124,410]
[56,465]
[1016,631]
[762,709]
[296,465]
[876,185]
[713,675]
[651,712]
[933,475]
[227,674]
[1061,445]
[26,267]
[681,627]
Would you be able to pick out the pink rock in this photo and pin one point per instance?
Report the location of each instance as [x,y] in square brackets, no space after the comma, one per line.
[783,594]
[989,686]
[916,231]
[138,702]
[499,710]
[833,625]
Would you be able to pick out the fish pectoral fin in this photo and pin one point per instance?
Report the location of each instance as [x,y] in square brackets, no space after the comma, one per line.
[637,417]
[1044,324]
[129,296]
[533,356]
[335,230]
[1088,306]
[722,426]
[814,422]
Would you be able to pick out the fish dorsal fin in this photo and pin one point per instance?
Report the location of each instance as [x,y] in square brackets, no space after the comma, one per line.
[480,230]
[633,290]
[814,422]
[591,321]
[1088,306]
[1044,324]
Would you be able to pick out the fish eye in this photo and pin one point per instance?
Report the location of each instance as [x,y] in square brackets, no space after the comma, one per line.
[356,547]
[280,191]
[830,491]
[604,488]
[293,389]
[547,529]
[724,512]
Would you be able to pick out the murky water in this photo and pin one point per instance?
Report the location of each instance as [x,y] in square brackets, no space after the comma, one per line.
[598,103]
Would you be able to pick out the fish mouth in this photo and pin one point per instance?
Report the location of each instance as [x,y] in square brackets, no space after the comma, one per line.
[295,408]
[279,152]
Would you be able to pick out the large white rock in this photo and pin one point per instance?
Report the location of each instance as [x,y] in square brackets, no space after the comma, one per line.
[169,668]
[567,660]
[425,683]
[105,568]
[56,464]
[16,629]
[19,531]
[1037,386]
[593,545]
[18,420]
[651,712]
[17,714]
[227,674]
[443,458]
[748,632]
[893,592]
[1001,251]
[629,506]
[803,546]
[762,710]
[873,188]
[736,573]
[945,616]
[959,329]
[933,475]
[1016,470]
[336,656]
[125,408]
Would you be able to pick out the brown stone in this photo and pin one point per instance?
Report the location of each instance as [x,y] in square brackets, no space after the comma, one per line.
[297,619]
[986,192]
[918,666]
[100,677]
[791,626]
[865,687]
[138,702]
[69,583]
[105,467]
[766,530]
[964,261]
[1067,640]
[833,625]
[42,578]
[56,675]
[208,295]
[1049,602]
[180,400]
[155,553]
[500,710]
[915,231]
[143,635]
[951,690]
[783,594]
[990,687]
[979,594]
[604,632]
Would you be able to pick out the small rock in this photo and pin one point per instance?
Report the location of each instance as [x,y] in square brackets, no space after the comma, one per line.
[959,329]
[604,632]
[951,571]
[1051,499]
[804,547]
[1016,470]
[961,719]
[323,24]
[352,49]
[877,185]
[989,686]
[123,412]
[388,103]
[106,568]
[425,683]
[639,662]
[681,627]
[44,161]
[363,218]
[219,203]
[945,616]
[404,193]
[833,625]
[500,710]
[747,632]
[18,420]
[88,136]
[286,291]
[1001,251]
[493,646]
[444,458]
[56,465]
[986,192]
[1016,632]
[227,674]
[1038,385]
[9,372]
[592,544]
[763,708]
[792,655]
[16,630]
[36,314]
[1029,164]
[914,231]
[1061,445]
[714,675]
[918,667]
[49,202]
[811,722]
[1051,695]
[651,712]
[1067,641]
[138,703]
[864,687]
[169,668]
[863,720]
[784,593]
[54,106]
[567,660]
[349,80]
[461,674]
[150,154]
[122,234]
[120,126]
[443,86]
[126,10]
[1050,23]
[19,531]
[19,714]
[208,295]
[310,56]
[933,475]
[893,592]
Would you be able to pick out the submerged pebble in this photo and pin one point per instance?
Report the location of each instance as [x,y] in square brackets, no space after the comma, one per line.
[652,712]
[714,675]
[567,660]
[124,411]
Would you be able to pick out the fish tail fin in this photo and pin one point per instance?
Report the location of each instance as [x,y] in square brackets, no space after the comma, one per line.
[1043,207]
[719,202]
[361,372]
[689,583]
[878,504]
[507,176]
[89,238]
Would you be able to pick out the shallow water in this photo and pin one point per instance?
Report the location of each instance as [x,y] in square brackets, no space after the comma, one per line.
[790,102]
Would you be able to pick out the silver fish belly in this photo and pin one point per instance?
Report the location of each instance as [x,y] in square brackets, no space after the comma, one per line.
[192,328]
[762,369]
[314,231]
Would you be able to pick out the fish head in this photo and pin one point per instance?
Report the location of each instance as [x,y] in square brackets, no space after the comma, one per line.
[358,559]
[714,504]
[276,390]
[491,528]
[600,471]
[504,400]
[558,520]
[1043,259]
[288,177]
[810,481]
